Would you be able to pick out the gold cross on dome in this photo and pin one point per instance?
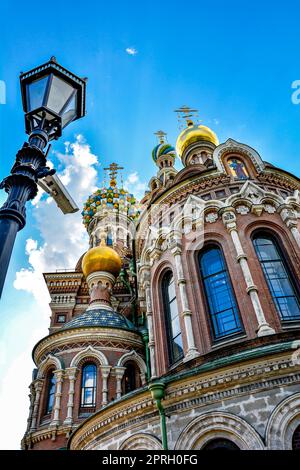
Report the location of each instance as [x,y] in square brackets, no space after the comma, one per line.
[186,113]
[113,170]
[161,135]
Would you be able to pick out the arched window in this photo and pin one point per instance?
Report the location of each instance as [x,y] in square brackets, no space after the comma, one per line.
[109,238]
[173,330]
[88,385]
[278,276]
[221,303]
[50,392]
[220,444]
[296,439]
[130,378]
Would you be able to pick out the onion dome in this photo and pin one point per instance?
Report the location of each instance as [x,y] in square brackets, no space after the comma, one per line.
[194,133]
[101,258]
[110,198]
[163,149]
[100,318]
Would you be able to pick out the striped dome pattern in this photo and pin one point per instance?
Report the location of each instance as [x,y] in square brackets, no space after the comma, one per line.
[163,149]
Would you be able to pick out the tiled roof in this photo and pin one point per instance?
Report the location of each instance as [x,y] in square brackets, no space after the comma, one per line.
[100,317]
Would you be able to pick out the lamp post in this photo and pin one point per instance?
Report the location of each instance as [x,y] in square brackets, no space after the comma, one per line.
[52,98]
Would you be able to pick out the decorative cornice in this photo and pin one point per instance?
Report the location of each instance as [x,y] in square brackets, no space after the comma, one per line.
[199,389]
[68,337]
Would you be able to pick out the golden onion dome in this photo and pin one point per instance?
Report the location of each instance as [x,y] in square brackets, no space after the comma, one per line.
[194,133]
[101,258]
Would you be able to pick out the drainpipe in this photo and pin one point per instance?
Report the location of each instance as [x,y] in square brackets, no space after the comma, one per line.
[157,390]
[145,336]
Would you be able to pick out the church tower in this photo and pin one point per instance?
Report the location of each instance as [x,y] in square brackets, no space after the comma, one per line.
[95,350]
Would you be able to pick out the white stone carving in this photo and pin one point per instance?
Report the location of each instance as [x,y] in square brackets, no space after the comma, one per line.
[211,217]
[243,210]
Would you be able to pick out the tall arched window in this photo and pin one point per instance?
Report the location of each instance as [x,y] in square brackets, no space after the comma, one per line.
[173,330]
[88,385]
[220,444]
[130,377]
[278,276]
[50,392]
[224,317]
[296,439]
[109,238]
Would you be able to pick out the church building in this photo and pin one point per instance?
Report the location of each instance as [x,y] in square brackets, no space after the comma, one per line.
[179,327]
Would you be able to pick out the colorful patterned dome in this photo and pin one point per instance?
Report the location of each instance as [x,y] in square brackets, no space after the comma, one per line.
[163,149]
[100,318]
[110,198]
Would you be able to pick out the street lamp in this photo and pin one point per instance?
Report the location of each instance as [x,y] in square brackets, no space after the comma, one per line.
[52,97]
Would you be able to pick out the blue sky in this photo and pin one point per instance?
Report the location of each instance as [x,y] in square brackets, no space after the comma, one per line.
[233,61]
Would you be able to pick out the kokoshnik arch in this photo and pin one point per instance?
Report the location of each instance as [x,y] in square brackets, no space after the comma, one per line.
[179,326]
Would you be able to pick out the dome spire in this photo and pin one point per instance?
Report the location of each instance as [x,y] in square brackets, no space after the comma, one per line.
[185,113]
[113,169]
[163,149]
[192,133]
[161,135]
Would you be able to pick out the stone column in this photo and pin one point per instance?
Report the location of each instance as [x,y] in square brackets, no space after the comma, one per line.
[31,399]
[59,377]
[149,315]
[186,312]
[38,385]
[289,217]
[119,373]
[104,373]
[229,220]
[71,374]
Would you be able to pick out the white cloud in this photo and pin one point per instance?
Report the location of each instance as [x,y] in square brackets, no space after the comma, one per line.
[63,240]
[60,249]
[134,185]
[131,51]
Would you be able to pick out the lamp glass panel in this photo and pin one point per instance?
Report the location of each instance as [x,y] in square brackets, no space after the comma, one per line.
[69,112]
[36,93]
[60,92]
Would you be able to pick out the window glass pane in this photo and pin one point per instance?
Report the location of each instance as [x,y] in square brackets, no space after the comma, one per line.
[267,251]
[69,112]
[172,319]
[175,326]
[212,262]
[51,393]
[172,292]
[36,93]
[219,294]
[173,308]
[278,278]
[177,347]
[88,388]
[88,395]
[289,308]
[60,92]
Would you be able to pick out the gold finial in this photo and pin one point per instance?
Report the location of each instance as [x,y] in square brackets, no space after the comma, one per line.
[161,135]
[113,171]
[186,113]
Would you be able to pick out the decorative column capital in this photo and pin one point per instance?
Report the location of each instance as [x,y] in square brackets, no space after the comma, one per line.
[155,255]
[59,374]
[229,218]
[38,384]
[105,370]
[71,372]
[176,249]
[119,371]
